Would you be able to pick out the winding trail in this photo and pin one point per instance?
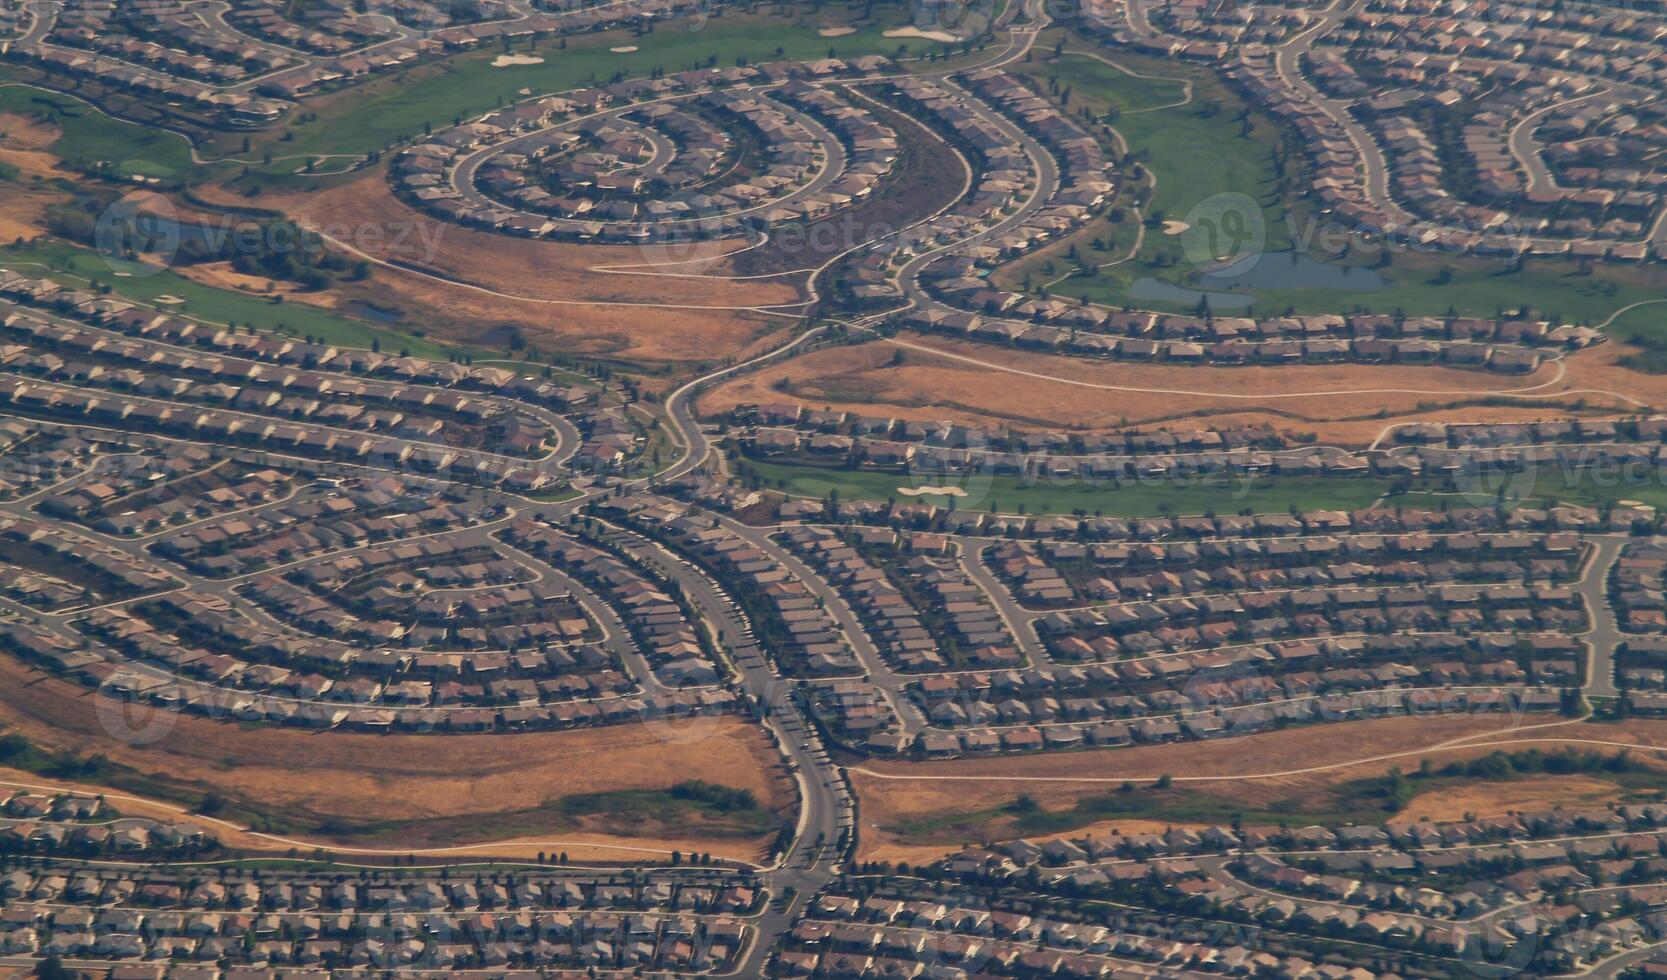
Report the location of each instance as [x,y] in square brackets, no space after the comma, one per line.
[1185,83]
[1623,311]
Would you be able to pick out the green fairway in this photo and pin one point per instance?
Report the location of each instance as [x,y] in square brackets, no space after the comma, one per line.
[76,266]
[1548,485]
[1477,287]
[1194,142]
[1187,130]
[1013,494]
[89,137]
[384,112]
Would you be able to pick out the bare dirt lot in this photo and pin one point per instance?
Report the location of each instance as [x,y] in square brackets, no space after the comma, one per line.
[1349,405]
[23,144]
[435,790]
[222,276]
[922,814]
[1494,798]
[23,203]
[555,292]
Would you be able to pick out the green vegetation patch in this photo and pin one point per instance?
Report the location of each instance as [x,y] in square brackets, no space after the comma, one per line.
[1041,495]
[93,141]
[1362,801]
[142,283]
[713,809]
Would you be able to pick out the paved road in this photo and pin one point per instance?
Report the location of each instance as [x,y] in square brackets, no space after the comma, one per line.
[1020,621]
[1604,635]
[826,807]
[875,668]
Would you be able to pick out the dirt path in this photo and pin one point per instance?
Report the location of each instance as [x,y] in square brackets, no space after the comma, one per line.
[1454,744]
[1532,391]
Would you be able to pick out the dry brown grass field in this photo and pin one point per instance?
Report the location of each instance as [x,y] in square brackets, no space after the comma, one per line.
[221,275]
[441,790]
[23,203]
[1058,391]
[1494,798]
[556,293]
[1292,768]
[23,144]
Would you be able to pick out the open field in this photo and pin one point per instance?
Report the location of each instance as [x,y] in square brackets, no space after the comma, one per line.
[415,791]
[23,208]
[31,175]
[1492,798]
[143,283]
[87,138]
[1012,494]
[552,292]
[26,140]
[1545,486]
[1478,287]
[1196,147]
[907,818]
[1340,404]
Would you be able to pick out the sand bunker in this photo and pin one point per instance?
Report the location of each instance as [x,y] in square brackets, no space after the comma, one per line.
[942,36]
[836,31]
[624,49]
[1175,227]
[510,60]
[934,491]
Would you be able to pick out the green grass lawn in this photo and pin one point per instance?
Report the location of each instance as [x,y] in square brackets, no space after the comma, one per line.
[1645,331]
[78,266]
[1646,322]
[1547,485]
[90,137]
[385,112]
[1478,287]
[1011,494]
